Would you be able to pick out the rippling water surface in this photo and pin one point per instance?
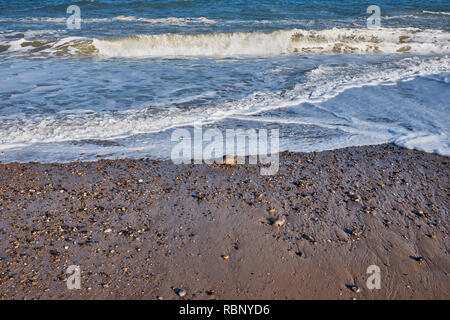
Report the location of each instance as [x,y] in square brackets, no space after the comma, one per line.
[136,70]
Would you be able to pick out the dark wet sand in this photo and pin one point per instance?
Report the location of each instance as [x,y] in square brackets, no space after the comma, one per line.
[171,227]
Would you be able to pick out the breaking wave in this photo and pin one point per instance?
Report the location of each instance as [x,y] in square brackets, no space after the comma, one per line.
[296,41]
[281,42]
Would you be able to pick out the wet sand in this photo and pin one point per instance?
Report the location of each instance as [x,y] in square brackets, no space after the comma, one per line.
[141,229]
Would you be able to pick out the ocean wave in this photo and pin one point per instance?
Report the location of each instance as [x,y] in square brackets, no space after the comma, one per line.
[281,42]
[295,41]
[322,84]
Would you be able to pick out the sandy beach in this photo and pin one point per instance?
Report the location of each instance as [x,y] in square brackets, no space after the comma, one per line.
[145,229]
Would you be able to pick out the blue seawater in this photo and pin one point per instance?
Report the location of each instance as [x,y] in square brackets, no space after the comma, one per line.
[135,71]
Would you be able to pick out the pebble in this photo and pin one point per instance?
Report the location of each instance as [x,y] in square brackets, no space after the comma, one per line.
[309,238]
[356,234]
[280,222]
[355,289]
[181,293]
[109,230]
[354,197]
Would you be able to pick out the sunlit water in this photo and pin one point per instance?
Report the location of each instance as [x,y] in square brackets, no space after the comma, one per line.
[137,70]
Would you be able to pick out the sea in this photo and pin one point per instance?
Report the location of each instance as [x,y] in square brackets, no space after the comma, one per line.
[86,80]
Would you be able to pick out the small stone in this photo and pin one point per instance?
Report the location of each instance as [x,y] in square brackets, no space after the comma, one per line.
[181,293]
[420,259]
[355,289]
[354,197]
[356,234]
[225,257]
[280,222]
[309,238]
[140,181]
[272,211]
[109,230]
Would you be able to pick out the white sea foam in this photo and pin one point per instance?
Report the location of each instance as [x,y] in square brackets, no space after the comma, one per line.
[434,12]
[296,41]
[281,42]
[16,45]
[322,84]
[168,20]
[399,17]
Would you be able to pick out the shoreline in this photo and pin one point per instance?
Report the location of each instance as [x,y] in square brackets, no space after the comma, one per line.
[141,229]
